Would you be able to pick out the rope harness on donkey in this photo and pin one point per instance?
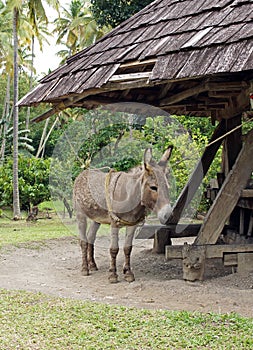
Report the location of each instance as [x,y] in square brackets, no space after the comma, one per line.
[117,220]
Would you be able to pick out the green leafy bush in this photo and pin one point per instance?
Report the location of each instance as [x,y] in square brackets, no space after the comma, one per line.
[33,181]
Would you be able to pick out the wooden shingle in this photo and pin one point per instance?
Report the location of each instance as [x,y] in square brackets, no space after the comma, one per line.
[190,40]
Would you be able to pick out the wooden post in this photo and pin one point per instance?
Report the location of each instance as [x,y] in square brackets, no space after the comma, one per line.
[198,174]
[231,149]
[228,195]
[232,144]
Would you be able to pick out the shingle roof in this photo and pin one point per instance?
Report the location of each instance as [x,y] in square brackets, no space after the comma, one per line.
[187,43]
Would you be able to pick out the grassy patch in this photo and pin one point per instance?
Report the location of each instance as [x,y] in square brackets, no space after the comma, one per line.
[17,232]
[37,321]
[20,232]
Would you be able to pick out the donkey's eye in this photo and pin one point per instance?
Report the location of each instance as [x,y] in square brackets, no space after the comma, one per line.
[153,188]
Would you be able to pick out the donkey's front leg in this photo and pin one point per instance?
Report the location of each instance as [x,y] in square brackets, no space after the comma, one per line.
[128,274]
[114,249]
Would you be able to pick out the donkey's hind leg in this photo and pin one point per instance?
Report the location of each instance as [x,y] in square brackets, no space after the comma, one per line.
[94,226]
[82,226]
[128,273]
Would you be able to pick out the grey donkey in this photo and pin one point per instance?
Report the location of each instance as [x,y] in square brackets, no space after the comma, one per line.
[119,199]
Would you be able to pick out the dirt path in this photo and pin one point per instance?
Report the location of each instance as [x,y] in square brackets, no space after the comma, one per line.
[54,269]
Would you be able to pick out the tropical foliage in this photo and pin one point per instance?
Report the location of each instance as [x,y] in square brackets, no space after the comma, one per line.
[76,28]
[33,177]
[113,12]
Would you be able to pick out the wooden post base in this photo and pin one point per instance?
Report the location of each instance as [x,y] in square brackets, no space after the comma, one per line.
[161,240]
[194,258]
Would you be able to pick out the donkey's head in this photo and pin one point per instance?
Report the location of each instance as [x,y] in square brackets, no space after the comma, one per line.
[155,188]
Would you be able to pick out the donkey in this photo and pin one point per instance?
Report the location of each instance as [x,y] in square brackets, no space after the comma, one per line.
[119,199]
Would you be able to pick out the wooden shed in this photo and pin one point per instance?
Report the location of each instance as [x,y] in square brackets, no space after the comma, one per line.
[191,57]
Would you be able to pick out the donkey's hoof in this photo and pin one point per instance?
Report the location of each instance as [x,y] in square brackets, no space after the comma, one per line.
[113,278]
[129,276]
[93,267]
[85,272]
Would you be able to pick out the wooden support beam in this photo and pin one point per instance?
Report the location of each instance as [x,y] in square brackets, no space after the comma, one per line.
[233,143]
[212,250]
[183,95]
[248,193]
[174,230]
[237,104]
[216,86]
[198,174]
[229,85]
[228,195]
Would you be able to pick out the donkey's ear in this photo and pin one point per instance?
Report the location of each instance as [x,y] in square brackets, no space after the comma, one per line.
[147,158]
[165,157]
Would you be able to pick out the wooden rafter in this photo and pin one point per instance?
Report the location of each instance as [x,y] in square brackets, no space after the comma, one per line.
[183,95]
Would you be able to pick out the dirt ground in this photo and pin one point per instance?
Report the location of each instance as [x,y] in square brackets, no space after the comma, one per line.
[54,268]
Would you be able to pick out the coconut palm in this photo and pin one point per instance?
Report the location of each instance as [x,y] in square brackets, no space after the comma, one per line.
[76,28]
[35,11]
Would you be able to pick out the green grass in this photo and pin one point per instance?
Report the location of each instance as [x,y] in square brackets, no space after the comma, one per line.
[22,232]
[37,321]
[17,232]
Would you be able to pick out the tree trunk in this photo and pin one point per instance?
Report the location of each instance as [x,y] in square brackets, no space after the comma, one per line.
[16,203]
[28,114]
[44,138]
[6,118]
[43,135]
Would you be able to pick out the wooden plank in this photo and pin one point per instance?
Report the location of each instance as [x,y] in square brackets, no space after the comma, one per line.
[138,63]
[247,193]
[245,263]
[198,174]
[228,196]
[174,230]
[212,250]
[230,259]
[130,76]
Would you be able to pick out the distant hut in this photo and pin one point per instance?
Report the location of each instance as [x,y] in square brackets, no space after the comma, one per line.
[190,57]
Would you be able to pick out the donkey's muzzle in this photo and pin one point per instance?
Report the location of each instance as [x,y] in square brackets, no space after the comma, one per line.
[164,214]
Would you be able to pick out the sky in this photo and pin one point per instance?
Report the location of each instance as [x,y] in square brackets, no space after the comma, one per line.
[47,59]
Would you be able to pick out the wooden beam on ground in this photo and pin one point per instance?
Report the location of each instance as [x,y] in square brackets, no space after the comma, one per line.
[228,195]
[212,250]
[198,174]
[174,230]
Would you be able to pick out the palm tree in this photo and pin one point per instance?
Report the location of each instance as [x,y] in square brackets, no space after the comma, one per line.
[76,28]
[34,10]
[16,203]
